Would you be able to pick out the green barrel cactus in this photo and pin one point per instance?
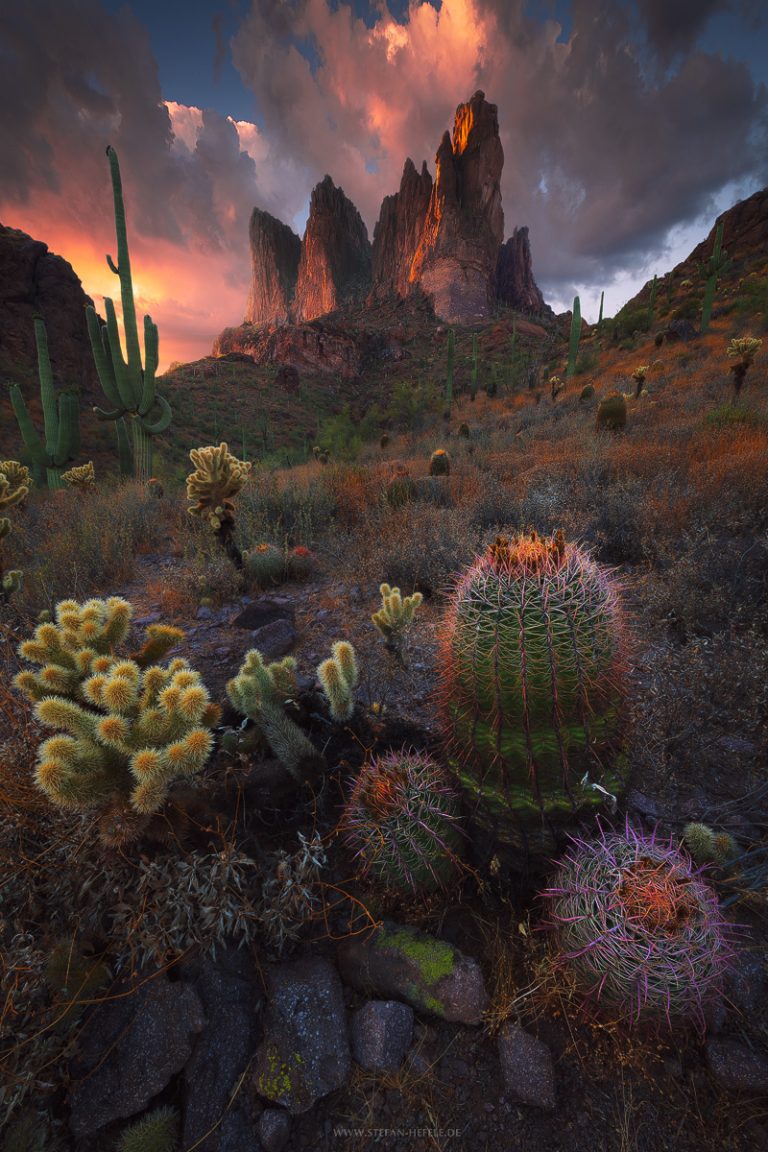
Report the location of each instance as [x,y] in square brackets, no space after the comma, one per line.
[264,565]
[402,823]
[532,691]
[612,413]
[440,463]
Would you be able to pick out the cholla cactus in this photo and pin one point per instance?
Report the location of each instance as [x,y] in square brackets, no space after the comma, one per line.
[639,376]
[15,482]
[260,691]
[82,477]
[338,676]
[264,565]
[158,1131]
[639,932]
[217,479]
[612,413]
[532,694]
[742,351]
[707,846]
[440,463]
[395,617]
[130,728]
[402,823]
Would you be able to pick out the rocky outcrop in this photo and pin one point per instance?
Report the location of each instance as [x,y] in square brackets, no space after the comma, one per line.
[456,259]
[308,348]
[335,265]
[35,282]
[515,284]
[275,255]
[745,231]
[399,230]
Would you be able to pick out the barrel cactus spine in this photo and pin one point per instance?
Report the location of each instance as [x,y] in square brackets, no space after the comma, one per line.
[61,419]
[637,929]
[532,693]
[129,387]
[402,823]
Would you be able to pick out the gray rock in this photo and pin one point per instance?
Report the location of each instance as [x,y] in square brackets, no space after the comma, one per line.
[402,963]
[381,1033]
[129,1049]
[203,613]
[231,996]
[275,639]
[737,745]
[149,618]
[236,1133]
[262,612]
[274,1129]
[736,1067]
[746,984]
[305,1051]
[526,1067]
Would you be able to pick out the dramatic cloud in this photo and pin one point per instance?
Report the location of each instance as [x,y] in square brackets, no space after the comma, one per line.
[615,135]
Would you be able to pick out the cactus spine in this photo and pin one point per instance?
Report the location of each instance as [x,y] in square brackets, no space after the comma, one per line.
[402,823]
[573,347]
[61,419]
[129,388]
[714,267]
[532,694]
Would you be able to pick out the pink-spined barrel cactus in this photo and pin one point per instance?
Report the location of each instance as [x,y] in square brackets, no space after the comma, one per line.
[638,930]
[532,690]
[402,823]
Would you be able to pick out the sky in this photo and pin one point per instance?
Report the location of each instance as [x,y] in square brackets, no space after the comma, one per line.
[627,125]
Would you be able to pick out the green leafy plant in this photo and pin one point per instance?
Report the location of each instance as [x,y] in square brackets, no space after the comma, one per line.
[532,692]
[129,387]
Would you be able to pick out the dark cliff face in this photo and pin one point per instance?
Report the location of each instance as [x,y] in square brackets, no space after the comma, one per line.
[398,232]
[335,265]
[275,255]
[745,230]
[35,282]
[515,284]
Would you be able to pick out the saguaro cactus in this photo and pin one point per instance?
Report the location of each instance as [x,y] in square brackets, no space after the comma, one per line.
[713,267]
[129,388]
[573,348]
[532,688]
[61,419]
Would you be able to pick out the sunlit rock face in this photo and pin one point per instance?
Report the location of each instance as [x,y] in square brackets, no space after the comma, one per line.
[399,231]
[455,262]
[515,284]
[335,264]
[275,255]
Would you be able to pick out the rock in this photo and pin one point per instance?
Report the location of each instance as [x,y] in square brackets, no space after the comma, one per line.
[274,639]
[232,1000]
[402,963]
[746,983]
[680,330]
[745,231]
[262,612]
[515,284]
[275,255]
[736,1067]
[737,745]
[335,264]
[526,1067]
[274,1129]
[288,379]
[303,348]
[305,1051]
[129,1050]
[456,260]
[398,232]
[236,1133]
[381,1033]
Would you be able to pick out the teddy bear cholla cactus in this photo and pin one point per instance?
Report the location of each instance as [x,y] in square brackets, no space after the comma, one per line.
[15,482]
[129,728]
[217,478]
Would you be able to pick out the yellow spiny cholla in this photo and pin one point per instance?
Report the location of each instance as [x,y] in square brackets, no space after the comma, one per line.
[128,728]
[338,676]
[218,476]
[82,477]
[15,482]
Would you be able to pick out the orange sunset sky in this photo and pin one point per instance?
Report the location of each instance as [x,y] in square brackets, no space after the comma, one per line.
[626,126]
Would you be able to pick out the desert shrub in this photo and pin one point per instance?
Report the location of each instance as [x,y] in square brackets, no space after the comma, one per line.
[729,414]
[340,437]
[295,513]
[617,526]
[435,490]
[73,544]
[205,571]
[494,506]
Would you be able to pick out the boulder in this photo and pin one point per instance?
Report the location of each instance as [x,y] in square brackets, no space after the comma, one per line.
[736,1067]
[381,1033]
[526,1067]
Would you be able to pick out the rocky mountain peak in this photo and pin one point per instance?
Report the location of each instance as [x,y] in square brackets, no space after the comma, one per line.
[335,264]
[275,255]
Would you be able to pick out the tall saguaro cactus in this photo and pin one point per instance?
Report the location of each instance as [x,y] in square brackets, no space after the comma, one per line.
[129,387]
[573,348]
[713,267]
[61,419]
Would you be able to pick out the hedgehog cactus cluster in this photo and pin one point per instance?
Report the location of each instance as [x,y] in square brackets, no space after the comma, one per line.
[338,676]
[637,929]
[402,823]
[532,694]
[15,482]
[128,728]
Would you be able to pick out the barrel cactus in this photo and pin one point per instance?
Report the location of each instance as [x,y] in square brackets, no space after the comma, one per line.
[532,691]
[612,413]
[264,565]
[440,463]
[638,930]
[402,823]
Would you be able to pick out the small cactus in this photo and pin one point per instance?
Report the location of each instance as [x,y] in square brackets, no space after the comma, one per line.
[15,482]
[299,563]
[639,376]
[158,1131]
[401,488]
[338,676]
[464,431]
[402,823]
[639,932]
[395,617]
[264,565]
[707,846]
[587,392]
[83,478]
[217,479]
[742,351]
[612,413]
[440,463]
[384,440]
